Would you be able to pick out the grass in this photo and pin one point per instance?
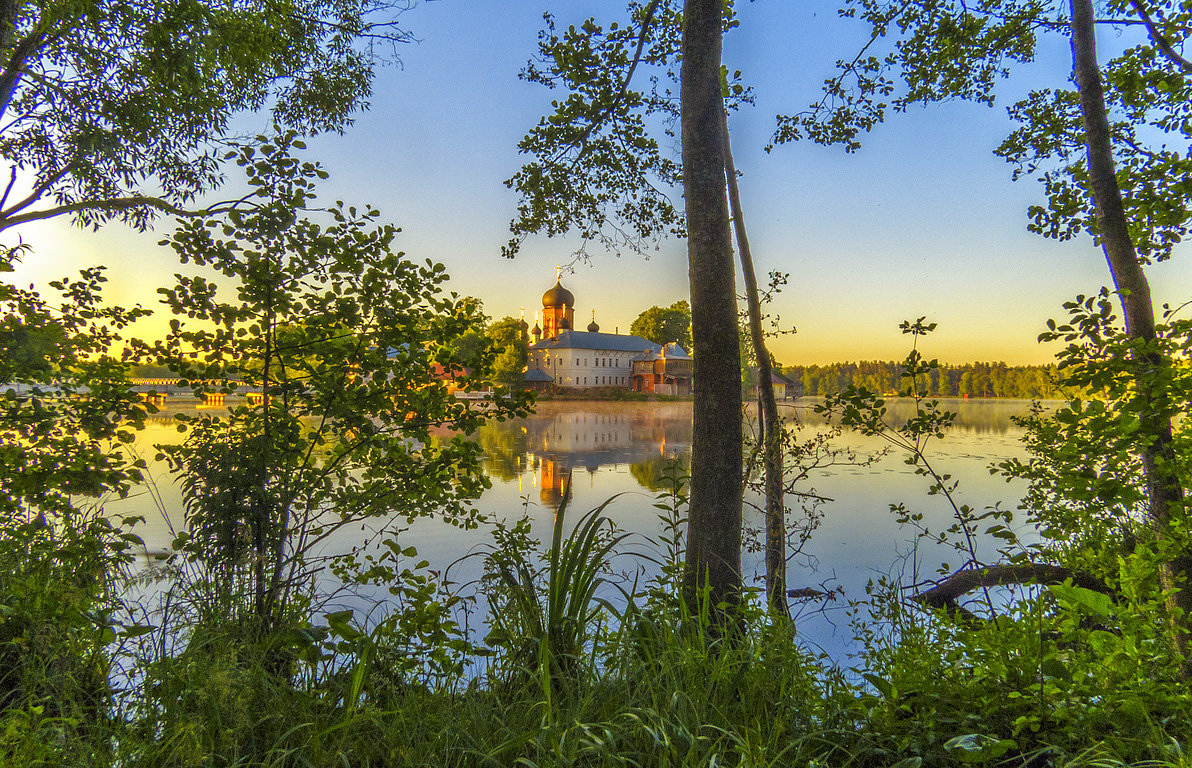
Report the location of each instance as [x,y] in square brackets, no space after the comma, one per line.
[573,678]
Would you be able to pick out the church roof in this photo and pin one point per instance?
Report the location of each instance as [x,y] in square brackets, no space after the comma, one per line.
[613,342]
[672,352]
[536,375]
[558,297]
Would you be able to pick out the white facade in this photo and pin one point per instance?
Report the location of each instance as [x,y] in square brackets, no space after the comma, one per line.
[591,359]
[583,367]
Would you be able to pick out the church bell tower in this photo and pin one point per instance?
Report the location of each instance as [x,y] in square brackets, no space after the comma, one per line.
[558,308]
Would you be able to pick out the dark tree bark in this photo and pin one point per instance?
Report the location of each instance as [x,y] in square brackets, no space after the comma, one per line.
[1164,491]
[770,428]
[714,528]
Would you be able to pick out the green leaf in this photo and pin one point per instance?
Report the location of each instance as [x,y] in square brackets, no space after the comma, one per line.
[978,748]
[136,630]
[340,624]
[908,762]
[885,687]
[1075,597]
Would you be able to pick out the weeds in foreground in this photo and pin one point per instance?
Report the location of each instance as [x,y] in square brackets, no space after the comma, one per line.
[577,679]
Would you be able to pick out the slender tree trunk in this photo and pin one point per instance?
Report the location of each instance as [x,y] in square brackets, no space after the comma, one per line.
[714,527]
[1164,492]
[770,430]
[261,516]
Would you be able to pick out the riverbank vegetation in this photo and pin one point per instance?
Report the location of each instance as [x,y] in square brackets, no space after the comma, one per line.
[570,671]
[262,647]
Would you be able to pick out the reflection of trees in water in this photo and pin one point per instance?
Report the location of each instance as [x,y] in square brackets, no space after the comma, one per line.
[654,474]
[504,448]
[598,437]
[972,417]
[563,438]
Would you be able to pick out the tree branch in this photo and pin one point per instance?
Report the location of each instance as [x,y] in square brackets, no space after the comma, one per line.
[1161,40]
[35,195]
[12,73]
[8,190]
[647,23]
[117,204]
[946,593]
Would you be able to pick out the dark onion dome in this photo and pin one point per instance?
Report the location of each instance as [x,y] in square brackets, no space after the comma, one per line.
[593,328]
[558,297]
[524,325]
[537,331]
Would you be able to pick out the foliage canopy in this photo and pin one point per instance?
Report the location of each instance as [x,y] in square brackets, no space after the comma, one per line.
[121,110]
[665,325]
[343,338]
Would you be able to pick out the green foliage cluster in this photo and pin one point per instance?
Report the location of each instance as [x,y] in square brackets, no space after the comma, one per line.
[580,672]
[665,325]
[1032,382]
[122,110]
[58,629]
[511,344]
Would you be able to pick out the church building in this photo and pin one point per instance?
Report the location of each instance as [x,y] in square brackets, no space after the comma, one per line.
[561,356]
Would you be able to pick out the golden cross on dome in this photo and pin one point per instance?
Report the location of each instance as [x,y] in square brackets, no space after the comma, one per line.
[558,272]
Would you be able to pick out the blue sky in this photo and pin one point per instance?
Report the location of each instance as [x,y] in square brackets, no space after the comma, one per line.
[924,220]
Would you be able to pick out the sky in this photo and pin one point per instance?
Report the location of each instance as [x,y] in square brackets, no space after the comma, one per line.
[922,221]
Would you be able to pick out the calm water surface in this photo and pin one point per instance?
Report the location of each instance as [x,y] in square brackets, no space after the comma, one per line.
[621,449]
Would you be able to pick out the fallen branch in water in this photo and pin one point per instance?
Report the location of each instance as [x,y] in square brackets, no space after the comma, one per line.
[805,593]
[946,593]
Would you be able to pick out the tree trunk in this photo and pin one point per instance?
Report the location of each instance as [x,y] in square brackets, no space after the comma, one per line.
[770,427]
[714,527]
[1164,492]
[261,511]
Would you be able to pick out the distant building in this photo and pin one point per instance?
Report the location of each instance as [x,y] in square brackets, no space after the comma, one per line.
[666,372]
[784,388]
[561,356]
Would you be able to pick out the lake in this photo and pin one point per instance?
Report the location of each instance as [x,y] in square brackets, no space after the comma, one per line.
[620,449]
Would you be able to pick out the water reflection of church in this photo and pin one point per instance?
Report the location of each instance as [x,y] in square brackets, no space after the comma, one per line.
[563,357]
[575,441]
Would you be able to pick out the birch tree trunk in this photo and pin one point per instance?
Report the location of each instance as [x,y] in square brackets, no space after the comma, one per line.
[770,428]
[1164,491]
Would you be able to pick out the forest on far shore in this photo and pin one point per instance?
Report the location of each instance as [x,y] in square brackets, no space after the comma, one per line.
[967,380]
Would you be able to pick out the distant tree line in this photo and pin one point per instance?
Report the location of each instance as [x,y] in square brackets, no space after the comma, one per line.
[968,380]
